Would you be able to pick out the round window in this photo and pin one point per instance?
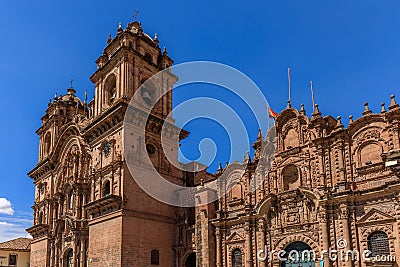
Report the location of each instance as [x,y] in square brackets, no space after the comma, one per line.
[150,149]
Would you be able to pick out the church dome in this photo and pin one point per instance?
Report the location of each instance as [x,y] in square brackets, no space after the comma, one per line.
[70,97]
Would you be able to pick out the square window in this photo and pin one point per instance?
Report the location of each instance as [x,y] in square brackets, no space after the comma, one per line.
[12,260]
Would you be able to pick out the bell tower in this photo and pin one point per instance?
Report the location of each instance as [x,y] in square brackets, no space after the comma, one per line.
[88,209]
[128,60]
[127,227]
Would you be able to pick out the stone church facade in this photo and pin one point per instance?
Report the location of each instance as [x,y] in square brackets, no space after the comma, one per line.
[328,186]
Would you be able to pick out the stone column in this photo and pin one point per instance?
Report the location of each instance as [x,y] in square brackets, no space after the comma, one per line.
[57,250]
[248,255]
[75,260]
[261,229]
[322,182]
[52,253]
[344,216]
[218,235]
[396,229]
[82,253]
[224,250]
[341,163]
[323,223]
[396,137]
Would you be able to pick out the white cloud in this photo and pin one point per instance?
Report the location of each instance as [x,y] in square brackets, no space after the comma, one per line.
[14,226]
[6,224]
[6,207]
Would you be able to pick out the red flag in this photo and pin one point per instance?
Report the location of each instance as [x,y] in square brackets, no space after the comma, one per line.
[272,114]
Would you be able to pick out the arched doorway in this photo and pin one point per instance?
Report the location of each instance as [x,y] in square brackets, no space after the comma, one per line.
[69,258]
[191,260]
[299,254]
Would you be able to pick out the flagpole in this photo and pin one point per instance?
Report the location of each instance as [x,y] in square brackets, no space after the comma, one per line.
[312,95]
[289,83]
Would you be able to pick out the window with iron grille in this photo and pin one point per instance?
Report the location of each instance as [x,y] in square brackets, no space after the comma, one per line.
[155,257]
[12,260]
[237,258]
[378,244]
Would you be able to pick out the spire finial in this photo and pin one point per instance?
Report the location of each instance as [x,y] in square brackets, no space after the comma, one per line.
[165,51]
[219,167]
[289,104]
[259,136]
[316,110]
[56,96]
[135,14]
[155,38]
[366,109]
[316,113]
[339,122]
[86,96]
[71,90]
[383,110]
[120,27]
[246,158]
[393,103]
[226,164]
[302,110]
[109,39]
[351,119]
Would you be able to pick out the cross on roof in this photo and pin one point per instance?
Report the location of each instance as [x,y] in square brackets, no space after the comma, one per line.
[135,13]
[70,82]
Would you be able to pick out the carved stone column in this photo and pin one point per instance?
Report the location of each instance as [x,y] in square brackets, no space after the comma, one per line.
[344,216]
[82,253]
[248,255]
[341,163]
[261,230]
[52,253]
[323,223]
[322,182]
[218,235]
[396,228]
[75,254]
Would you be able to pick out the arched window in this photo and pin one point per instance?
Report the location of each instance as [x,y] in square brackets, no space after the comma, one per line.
[71,199]
[155,257]
[237,258]
[291,179]
[111,89]
[291,139]
[47,144]
[378,243]
[370,154]
[107,189]
[191,260]
[69,259]
[41,218]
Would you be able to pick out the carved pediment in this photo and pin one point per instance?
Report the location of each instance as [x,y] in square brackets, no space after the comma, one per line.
[374,216]
[289,160]
[235,238]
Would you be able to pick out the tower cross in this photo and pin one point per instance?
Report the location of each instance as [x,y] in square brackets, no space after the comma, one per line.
[135,14]
[70,82]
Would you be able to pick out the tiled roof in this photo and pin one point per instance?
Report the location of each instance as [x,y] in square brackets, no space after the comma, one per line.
[19,244]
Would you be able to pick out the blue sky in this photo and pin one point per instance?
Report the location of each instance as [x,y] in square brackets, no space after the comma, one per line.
[348,48]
